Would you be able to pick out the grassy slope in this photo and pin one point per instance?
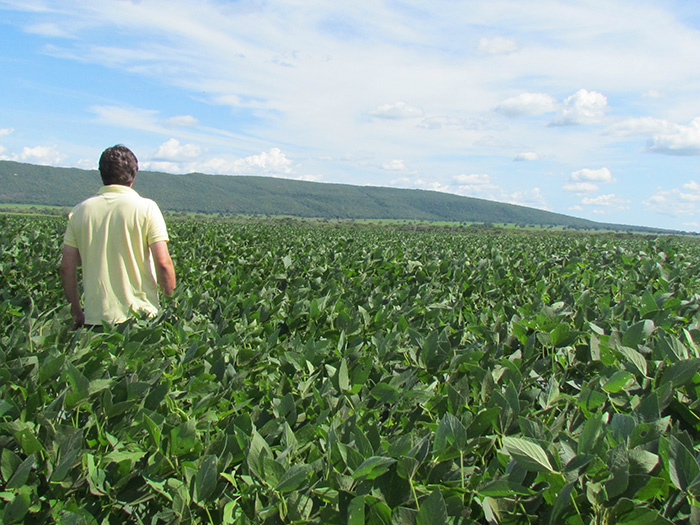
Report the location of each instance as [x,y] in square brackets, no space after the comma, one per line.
[48,186]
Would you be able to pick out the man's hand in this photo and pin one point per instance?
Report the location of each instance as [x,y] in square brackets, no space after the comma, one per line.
[78,317]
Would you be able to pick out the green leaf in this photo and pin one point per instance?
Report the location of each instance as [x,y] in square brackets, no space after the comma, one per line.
[293,478]
[591,430]
[432,510]
[183,438]
[343,378]
[618,381]
[561,504]
[9,461]
[679,461]
[528,454]
[627,512]
[502,488]
[385,393]
[373,467]
[80,386]
[17,509]
[562,336]
[680,373]
[636,333]
[257,452]
[618,464]
[356,511]
[450,432]
[206,479]
[21,473]
[636,362]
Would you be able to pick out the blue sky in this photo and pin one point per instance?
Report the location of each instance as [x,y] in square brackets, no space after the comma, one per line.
[588,108]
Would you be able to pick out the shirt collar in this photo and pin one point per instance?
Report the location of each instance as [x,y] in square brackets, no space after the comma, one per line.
[115,188]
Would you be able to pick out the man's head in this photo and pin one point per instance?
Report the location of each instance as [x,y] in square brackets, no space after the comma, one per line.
[118,165]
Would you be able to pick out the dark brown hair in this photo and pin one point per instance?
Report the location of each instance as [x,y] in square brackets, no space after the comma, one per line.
[118,165]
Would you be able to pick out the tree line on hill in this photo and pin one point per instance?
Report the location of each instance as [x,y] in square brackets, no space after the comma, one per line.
[22,183]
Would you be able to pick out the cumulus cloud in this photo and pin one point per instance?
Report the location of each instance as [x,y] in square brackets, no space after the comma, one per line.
[527,104]
[45,155]
[172,150]
[397,111]
[174,157]
[678,140]
[640,126]
[182,121]
[432,185]
[6,131]
[607,201]
[586,174]
[677,201]
[496,46]
[583,107]
[526,156]
[581,187]
[586,181]
[481,185]
[394,165]
[473,179]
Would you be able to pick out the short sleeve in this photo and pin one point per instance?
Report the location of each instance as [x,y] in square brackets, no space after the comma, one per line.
[157,230]
[70,238]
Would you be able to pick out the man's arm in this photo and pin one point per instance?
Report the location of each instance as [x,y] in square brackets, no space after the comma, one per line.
[165,271]
[69,280]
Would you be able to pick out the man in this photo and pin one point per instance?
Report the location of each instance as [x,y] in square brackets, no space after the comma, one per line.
[120,239]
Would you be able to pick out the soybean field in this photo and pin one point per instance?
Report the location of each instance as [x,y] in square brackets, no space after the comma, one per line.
[348,374]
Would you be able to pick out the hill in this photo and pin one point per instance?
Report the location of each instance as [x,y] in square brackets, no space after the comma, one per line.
[22,183]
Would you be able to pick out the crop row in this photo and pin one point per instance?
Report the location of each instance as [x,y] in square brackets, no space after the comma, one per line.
[358,375]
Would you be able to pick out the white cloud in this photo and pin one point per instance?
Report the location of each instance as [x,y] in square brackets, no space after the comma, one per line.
[6,131]
[48,30]
[527,104]
[394,165]
[608,201]
[586,180]
[680,140]
[581,187]
[172,150]
[46,155]
[583,107]
[441,122]
[432,185]
[532,198]
[173,157]
[481,185]
[526,156]
[586,174]
[641,126]
[397,111]
[496,46]
[268,162]
[182,121]
[134,118]
[675,202]
[310,178]
[474,180]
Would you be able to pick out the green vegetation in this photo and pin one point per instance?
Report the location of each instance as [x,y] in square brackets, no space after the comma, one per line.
[359,374]
[270,197]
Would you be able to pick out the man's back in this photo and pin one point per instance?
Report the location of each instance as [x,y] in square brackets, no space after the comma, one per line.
[113,231]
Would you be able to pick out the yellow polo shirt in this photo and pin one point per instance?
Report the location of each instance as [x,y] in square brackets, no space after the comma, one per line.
[113,231]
